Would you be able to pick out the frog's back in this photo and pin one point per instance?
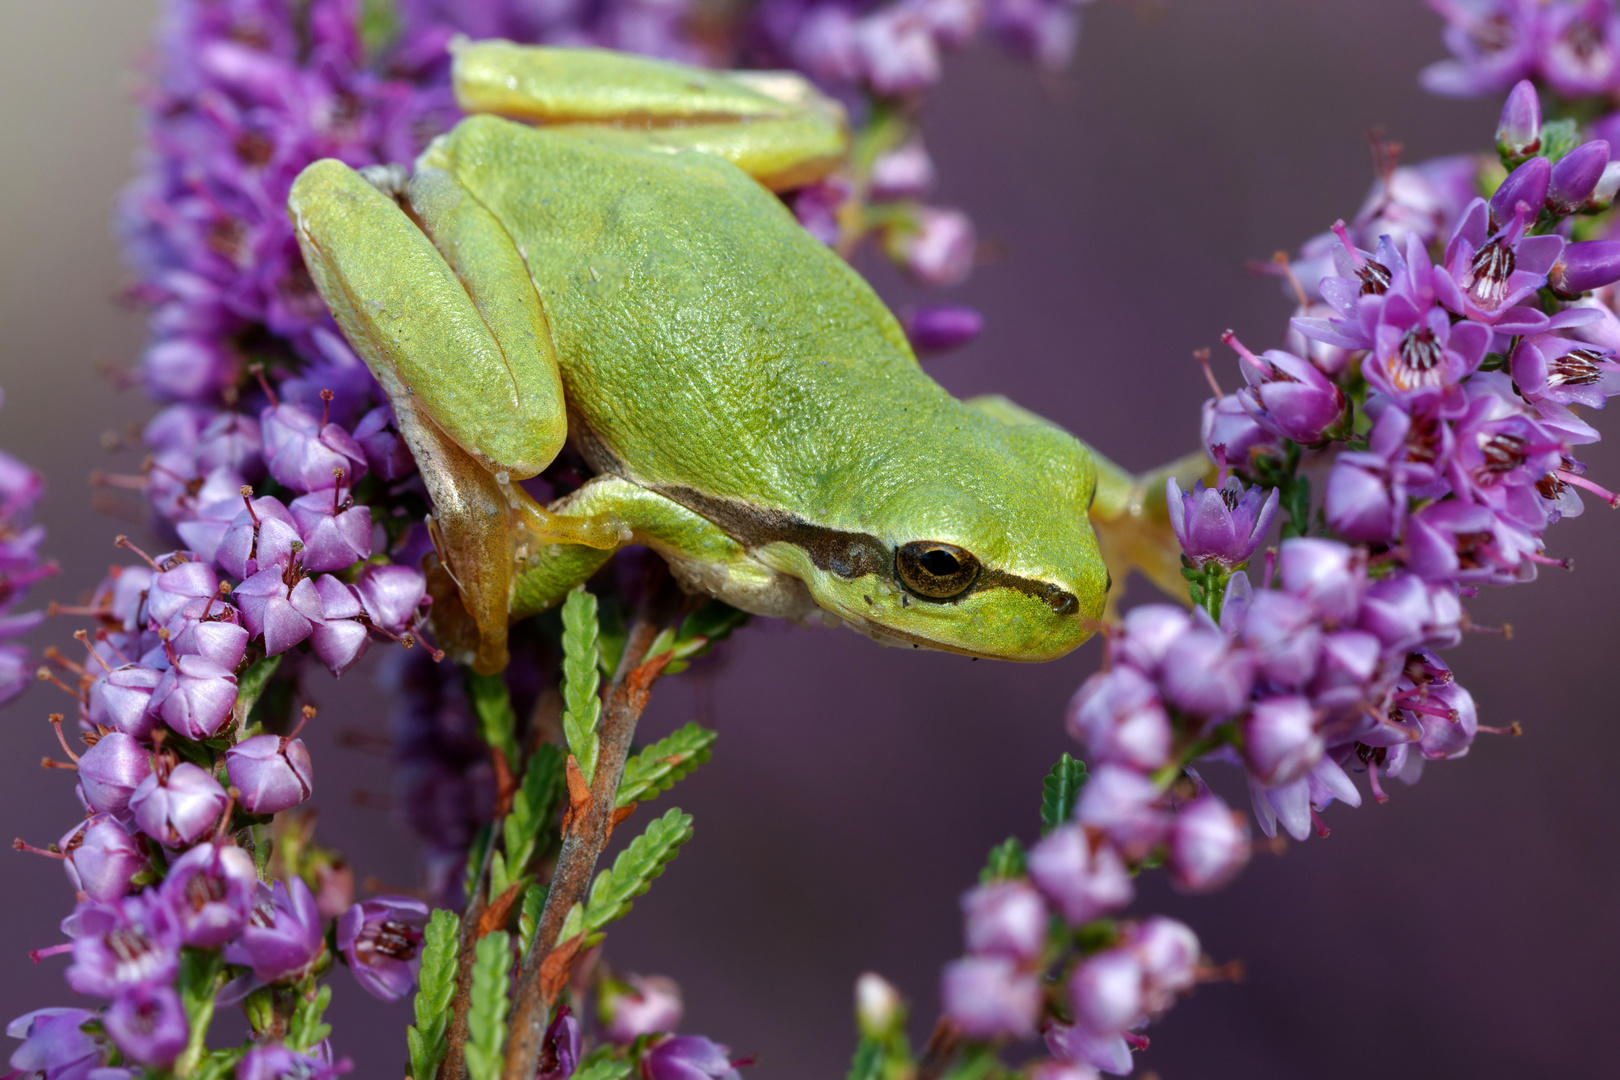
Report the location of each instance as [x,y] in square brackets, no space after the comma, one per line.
[681,295]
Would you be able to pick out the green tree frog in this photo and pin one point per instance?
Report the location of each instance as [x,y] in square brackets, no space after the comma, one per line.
[596,254]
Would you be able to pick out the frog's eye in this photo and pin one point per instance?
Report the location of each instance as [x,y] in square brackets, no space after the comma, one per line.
[935,571]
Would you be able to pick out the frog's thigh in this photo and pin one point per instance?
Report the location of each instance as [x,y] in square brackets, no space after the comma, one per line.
[702,557]
[465,340]
[775,126]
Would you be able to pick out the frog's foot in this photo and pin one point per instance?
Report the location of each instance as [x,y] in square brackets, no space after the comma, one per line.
[604,531]
[1132,521]
[775,126]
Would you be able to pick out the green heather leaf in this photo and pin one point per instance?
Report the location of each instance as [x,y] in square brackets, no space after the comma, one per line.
[305,1029]
[1559,137]
[219,1064]
[532,806]
[497,723]
[488,1006]
[534,903]
[582,706]
[201,976]
[633,871]
[1060,791]
[658,766]
[435,986]
[251,683]
[475,860]
[604,1068]
[1006,861]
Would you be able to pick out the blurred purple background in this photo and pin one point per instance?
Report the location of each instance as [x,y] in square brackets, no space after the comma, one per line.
[1465,928]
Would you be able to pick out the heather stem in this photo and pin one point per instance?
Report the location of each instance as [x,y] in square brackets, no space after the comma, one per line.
[584,841]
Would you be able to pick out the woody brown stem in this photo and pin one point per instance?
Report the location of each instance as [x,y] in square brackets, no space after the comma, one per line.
[454,1066]
[587,835]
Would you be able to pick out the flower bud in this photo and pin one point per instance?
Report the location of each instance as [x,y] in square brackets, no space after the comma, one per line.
[261,536]
[340,640]
[210,629]
[559,1053]
[897,50]
[391,595]
[1585,265]
[1228,428]
[101,858]
[1082,884]
[284,937]
[941,327]
[334,537]
[1146,634]
[122,699]
[1280,740]
[284,616]
[195,697]
[1324,572]
[1527,186]
[173,588]
[1207,674]
[1575,178]
[211,889]
[382,939]
[1120,718]
[189,369]
[906,172]
[988,996]
[177,805]
[272,772]
[1285,637]
[937,249]
[148,1024]
[1122,803]
[1208,844]
[1005,918]
[305,454]
[1518,133]
[1287,395]
[649,1005]
[1168,952]
[1608,184]
[111,770]
[1105,992]
[879,1009]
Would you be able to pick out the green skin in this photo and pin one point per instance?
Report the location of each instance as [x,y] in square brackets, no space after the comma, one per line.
[624,277]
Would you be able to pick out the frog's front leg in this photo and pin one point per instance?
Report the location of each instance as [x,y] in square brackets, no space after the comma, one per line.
[461,348]
[774,125]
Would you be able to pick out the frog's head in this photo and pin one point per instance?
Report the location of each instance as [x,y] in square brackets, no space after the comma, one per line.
[983,548]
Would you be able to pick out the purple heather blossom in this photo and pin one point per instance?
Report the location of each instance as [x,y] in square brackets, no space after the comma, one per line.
[688,1057]
[336,533]
[1585,265]
[1418,351]
[391,595]
[210,629]
[648,1005]
[111,770]
[938,248]
[1206,674]
[1518,133]
[177,804]
[1005,918]
[1105,991]
[284,612]
[1488,272]
[1283,634]
[817,207]
[941,327]
[897,50]
[906,172]
[122,700]
[1120,717]
[1230,434]
[55,1046]
[990,996]
[1223,524]
[1494,43]
[1287,395]
[1168,952]
[1045,31]
[1146,634]
[262,536]
[1061,1070]
[180,579]
[101,857]
[1208,844]
[306,454]
[1082,883]
[1123,804]
[284,936]
[1280,739]
[386,453]
[1109,1052]
[1577,47]
[148,1024]
[195,697]
[117,946]
[274,1061]
[382,940]
[211,890]
[1524,192]
[341,639]
[272,772]
[1575,177]
[560,1052]
[1556,368]
[1328,574]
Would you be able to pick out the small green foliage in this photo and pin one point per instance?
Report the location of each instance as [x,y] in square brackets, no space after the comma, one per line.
[601,1066]
[1095,936]
[582,706]
[435,986]
[1558,138]
[534,903]
[306,1030]
[488,1006]
[1006,861]
[219,1064]
[251,683]
[532,805]
[492,704]
[699,632]
[201,976]
[1060,791]
[475,860]
[633,871]
[658,766]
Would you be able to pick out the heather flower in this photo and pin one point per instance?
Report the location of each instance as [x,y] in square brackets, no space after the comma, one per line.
[336,533]
[306,454]
[179,579]
[55,1044]
[117,946]
[1146,634]
[1105,992]
[340,639]
[937,248]
[1080,882]
[1005,918]
[381,939]
[1586,264]
[1280,740]
[274,1061]
[989,996]
[387,455]
[560,1052]
[823,45]
[101,857]
[1574,179]
[391,595]
[211,890]
[284,612]
[906,172]
[1168,953]
[1224,524]
[1061,1070]
[110,771]
[1122,804]
[1208,844]
[1287,395]
[651,1005]
[897,50]
[122,700]
[1418,351]
[941,327]
[1328,574]
[1284,636]
[1489,271]
[284,936]
[1523,192]
[1230,434]
[1205,674]
[687,1057]
[1577,47]
[272,772]
[1494,44]
[1569,372]
[195,697]
[1045,31]
[1518,133]
[177,804]
[210,629]
[1119,716]
[1109,1052]
[262,536]
[148,1024]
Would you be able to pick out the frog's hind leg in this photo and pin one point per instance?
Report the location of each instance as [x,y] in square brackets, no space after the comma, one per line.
[461,349]
[775,126]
